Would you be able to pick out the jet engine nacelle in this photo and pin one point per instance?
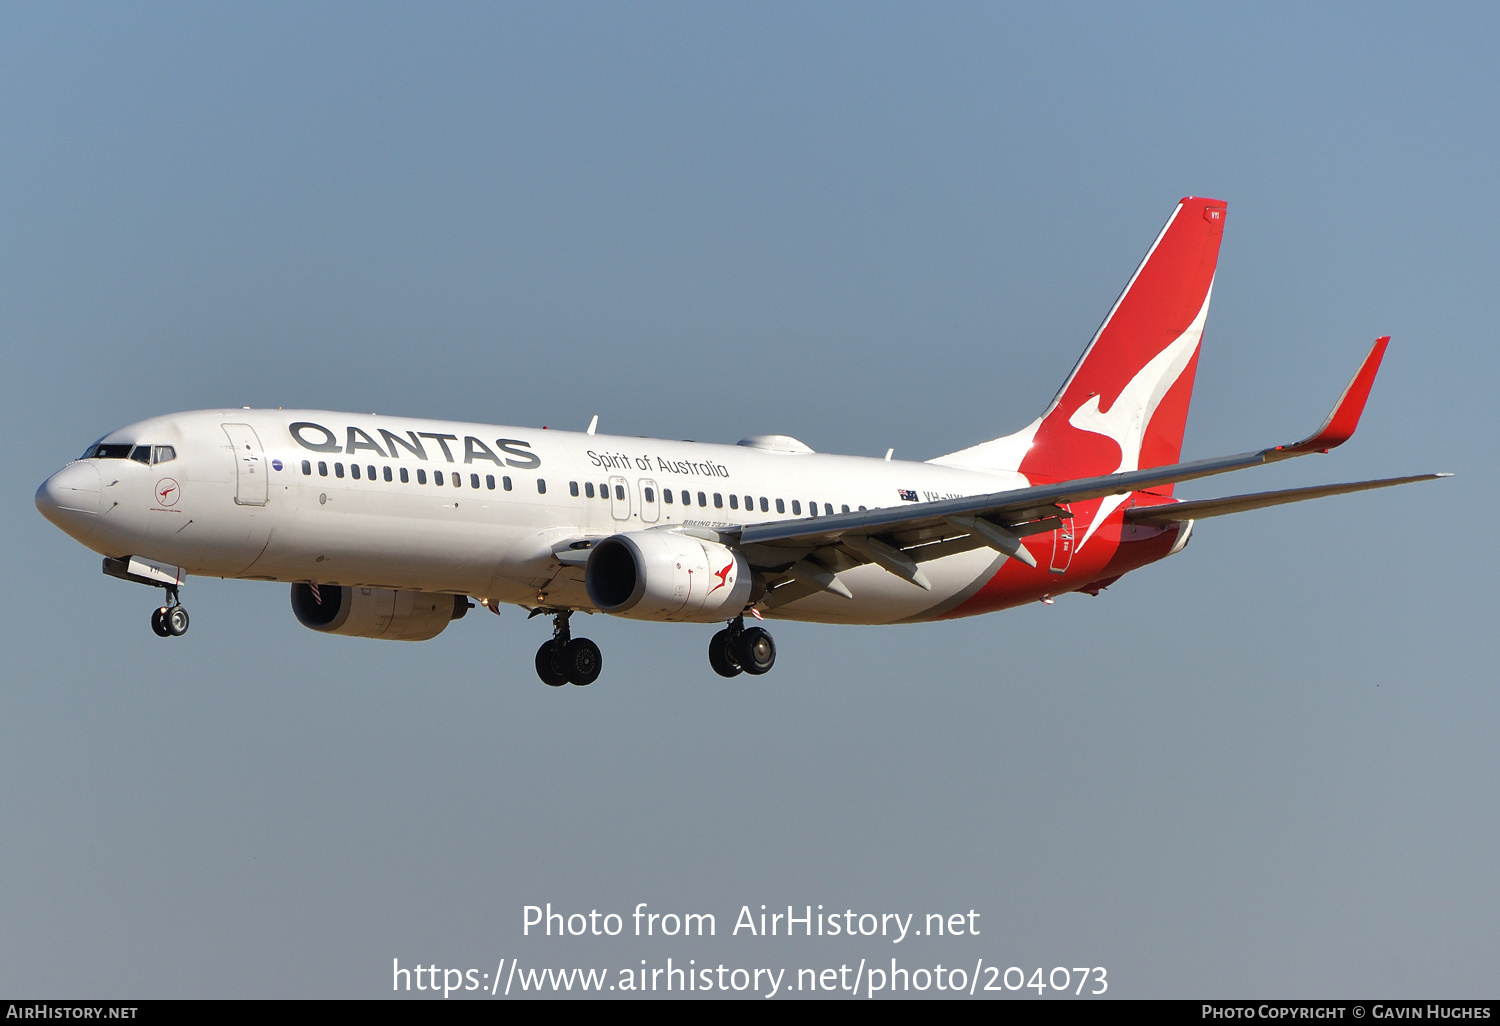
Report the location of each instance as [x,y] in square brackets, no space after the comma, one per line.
[662,575]
[376,612]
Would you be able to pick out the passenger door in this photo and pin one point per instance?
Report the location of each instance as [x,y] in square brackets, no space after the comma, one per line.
[250,465]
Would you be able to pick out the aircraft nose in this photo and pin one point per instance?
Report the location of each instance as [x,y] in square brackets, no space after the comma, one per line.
[72,490]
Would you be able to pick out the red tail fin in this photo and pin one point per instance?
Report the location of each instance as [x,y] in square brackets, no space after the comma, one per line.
[1125,405]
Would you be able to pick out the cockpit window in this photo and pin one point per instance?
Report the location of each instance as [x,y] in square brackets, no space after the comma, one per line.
[129,451]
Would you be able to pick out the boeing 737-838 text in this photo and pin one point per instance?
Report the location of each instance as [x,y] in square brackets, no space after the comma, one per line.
[385,527]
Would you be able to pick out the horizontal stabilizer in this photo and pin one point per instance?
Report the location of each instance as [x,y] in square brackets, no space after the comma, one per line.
[1199,509]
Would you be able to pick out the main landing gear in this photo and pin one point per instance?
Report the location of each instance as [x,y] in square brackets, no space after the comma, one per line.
[566,659]
[739,649]
[170,620]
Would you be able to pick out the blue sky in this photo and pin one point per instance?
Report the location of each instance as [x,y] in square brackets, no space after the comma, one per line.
[1266,766]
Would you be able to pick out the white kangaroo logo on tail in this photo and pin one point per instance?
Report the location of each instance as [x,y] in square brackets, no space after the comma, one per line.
[1131,412]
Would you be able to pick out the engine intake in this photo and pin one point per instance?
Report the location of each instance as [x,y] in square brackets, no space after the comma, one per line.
[376,612]
[662,575]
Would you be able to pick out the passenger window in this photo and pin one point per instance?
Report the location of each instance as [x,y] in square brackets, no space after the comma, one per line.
[458,482]
[489,481]
[421,476]
[861,509]
[750,502]
[338,470]
[845,507]
[506,482]
[796,507]
[812,509]
[141,454]
[702,499]
[573,489]
[763,507]
[828,508]
[306,468]
[780,506]
[473,480]
[666,493]
[718,500]
[437,478]
[620,492]
[322,469]
[405,477]
[541,486]
[603,491]
[372,472]
[164,454]
[650,494]
[386,473]
[734,501]
[354,471]
[588,489]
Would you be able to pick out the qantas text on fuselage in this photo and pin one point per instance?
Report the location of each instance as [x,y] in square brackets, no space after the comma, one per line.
[387,527]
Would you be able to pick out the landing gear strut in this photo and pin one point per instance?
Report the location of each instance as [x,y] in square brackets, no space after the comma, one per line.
[566,659]
[171,619]
[739,649]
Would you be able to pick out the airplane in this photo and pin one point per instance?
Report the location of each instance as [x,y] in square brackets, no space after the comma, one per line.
[387,527]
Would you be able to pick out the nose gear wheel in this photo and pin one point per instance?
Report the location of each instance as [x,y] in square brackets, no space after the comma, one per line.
[170,620]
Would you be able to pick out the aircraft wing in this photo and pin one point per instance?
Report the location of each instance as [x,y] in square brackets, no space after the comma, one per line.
[898,538]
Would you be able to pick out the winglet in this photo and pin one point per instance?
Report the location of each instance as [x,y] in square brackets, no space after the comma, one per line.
[1340,425]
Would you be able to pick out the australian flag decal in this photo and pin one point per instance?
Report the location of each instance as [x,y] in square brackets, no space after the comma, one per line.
[907,495]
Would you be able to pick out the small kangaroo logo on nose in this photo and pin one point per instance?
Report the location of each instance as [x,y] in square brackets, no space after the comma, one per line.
[167,491]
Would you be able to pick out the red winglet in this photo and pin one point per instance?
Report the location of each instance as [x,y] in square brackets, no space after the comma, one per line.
[1340,425]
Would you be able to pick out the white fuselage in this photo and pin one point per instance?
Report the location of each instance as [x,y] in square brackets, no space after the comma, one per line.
[246,496]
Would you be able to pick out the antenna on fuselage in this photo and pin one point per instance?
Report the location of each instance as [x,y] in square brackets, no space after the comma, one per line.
[593,423]
[888,454]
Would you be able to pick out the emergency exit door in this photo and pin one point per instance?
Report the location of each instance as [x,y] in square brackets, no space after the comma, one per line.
[650,501]
[619,498]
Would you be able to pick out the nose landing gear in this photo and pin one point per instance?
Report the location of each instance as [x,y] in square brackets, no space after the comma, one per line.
[739,649]
[170,620]
[566,659]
